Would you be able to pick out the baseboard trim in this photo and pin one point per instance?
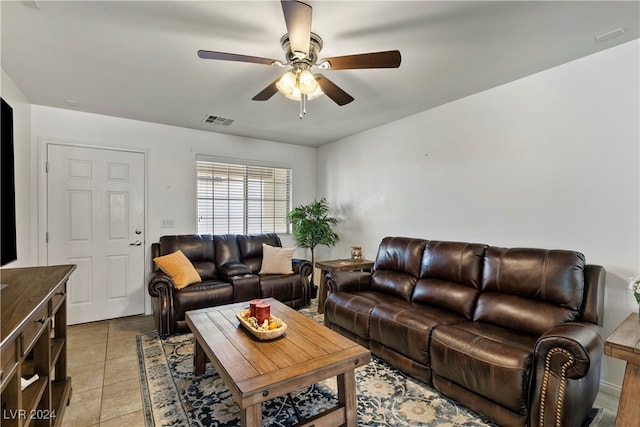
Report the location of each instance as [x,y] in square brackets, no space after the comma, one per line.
[610,388]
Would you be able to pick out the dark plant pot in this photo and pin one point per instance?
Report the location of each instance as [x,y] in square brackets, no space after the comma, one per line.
[314,291]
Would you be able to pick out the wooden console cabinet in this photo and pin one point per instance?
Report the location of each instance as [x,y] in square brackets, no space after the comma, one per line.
[33,341]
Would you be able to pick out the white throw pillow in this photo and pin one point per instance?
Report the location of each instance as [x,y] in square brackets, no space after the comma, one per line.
[276,260]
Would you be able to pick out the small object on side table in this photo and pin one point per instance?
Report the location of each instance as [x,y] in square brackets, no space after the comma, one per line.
[624,344]
[337,265]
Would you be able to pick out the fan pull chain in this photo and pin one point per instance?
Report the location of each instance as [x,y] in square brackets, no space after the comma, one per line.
[303,105]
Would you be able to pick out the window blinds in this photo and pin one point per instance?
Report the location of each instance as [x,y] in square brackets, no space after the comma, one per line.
[242,199]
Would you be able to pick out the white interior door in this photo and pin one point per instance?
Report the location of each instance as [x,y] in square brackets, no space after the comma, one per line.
[95,219]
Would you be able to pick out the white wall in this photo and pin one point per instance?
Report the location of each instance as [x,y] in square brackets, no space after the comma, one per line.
[170,155]
[26,218]
[551,160]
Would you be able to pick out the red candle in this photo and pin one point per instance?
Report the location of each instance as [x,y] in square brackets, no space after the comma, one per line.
[252,307]
[263,312]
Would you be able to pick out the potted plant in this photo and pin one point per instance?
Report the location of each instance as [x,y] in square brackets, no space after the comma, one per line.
[312,226]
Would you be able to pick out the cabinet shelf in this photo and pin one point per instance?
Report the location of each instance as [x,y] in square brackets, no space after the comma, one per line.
[31,397]
[57,347]
[33,328]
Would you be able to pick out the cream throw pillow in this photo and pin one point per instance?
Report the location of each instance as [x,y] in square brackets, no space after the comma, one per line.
[179,268]
[276,260]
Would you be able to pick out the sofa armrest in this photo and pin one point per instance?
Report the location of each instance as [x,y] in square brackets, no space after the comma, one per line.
[348,281]
[161,287]
[302,267]
[565,358]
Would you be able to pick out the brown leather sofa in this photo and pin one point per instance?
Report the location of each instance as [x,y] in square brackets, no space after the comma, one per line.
[228,266]
[514,334]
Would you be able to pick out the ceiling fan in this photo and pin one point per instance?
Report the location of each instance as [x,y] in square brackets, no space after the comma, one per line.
[301,47]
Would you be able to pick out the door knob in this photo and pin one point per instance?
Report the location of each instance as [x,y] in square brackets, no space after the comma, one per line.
[136,243]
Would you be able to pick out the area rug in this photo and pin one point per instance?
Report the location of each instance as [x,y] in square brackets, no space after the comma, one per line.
[172,396]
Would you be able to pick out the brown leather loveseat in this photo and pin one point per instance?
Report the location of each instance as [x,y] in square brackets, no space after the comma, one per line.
[228,266]
[514,334]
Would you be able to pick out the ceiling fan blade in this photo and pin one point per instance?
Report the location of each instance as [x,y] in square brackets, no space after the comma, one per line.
[267,92]
[330,89]
[386,59]
[207,54]
[297,16]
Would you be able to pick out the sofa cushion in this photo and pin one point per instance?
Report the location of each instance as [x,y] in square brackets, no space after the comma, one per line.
[276,260]
[250,247]
[406,328]
[226,248]
[531,290]
[450,276]
[179,268]
[521,314]
[352,310]
[485,359]
[555,276]
[397,266]
[197,247]
[202,295]
[285,288]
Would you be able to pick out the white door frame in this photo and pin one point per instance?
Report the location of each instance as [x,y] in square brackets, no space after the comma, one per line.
[43,142]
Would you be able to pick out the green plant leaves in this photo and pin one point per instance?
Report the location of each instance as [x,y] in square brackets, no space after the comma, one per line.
[312,225]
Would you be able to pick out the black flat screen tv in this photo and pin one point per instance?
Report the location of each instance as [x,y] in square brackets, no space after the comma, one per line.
[8,249]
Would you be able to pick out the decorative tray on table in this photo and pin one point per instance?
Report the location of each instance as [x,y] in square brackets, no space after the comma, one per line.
[274,328]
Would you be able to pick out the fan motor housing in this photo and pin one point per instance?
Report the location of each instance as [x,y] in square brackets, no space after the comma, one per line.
[315,46]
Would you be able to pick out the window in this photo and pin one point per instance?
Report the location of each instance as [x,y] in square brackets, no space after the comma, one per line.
[242,198]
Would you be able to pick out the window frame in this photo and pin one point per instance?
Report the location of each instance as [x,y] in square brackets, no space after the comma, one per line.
[253,184]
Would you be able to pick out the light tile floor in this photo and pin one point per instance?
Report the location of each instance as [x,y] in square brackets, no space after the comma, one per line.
[103,365]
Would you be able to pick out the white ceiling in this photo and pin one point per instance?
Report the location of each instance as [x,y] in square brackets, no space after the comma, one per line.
[138,59]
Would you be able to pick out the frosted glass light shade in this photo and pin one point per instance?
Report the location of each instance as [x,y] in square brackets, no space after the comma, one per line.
[307,82]
[287,83]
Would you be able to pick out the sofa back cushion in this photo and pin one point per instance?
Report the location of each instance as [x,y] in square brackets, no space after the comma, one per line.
[250,247]
[227,251]
[397,266]
[198,248]
[530,290]
[451,276]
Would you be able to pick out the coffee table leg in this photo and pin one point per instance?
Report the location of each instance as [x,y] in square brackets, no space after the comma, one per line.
[347,397]
[251,416]
[199,360]
[322,291]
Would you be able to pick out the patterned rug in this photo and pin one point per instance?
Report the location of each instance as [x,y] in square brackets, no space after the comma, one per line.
[172,396]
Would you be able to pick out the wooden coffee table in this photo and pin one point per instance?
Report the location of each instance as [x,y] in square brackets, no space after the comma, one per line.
[256,371]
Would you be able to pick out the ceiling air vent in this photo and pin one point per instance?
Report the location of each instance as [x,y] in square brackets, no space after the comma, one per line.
[210,119]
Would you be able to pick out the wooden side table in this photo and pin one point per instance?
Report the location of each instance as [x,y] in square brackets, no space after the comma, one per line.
[624,343]
[337,265]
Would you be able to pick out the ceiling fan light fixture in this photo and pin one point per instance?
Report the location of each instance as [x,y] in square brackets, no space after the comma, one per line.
[301,49]
[287,83]
[307,82]
[316,92]
[293,84]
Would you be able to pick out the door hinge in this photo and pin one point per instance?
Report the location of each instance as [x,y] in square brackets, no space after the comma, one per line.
[46,237]
[46,167]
